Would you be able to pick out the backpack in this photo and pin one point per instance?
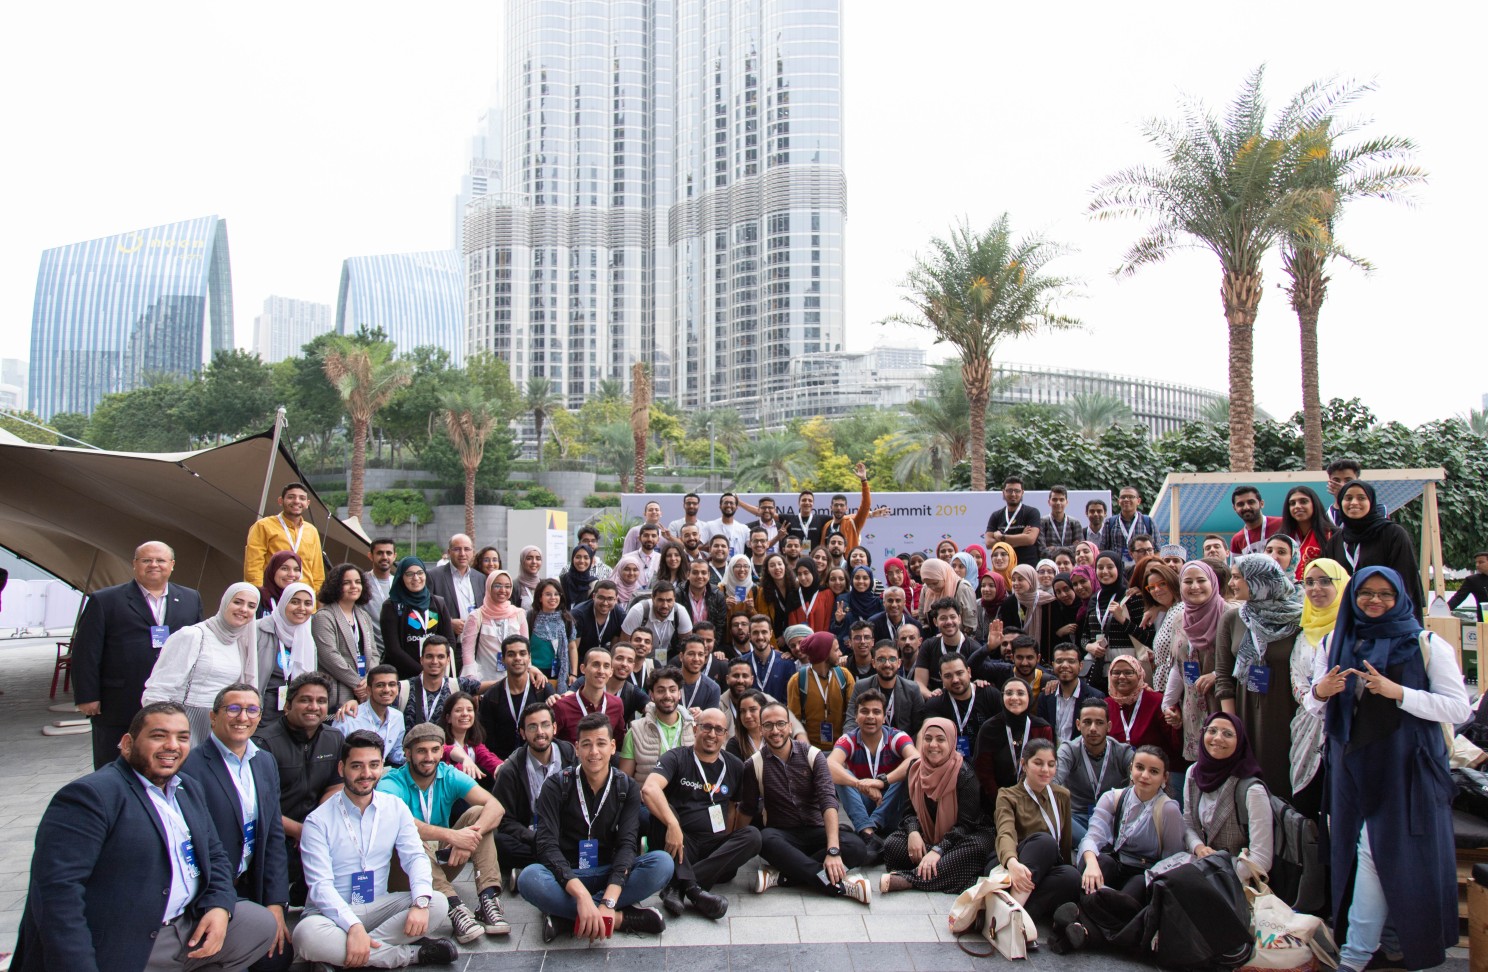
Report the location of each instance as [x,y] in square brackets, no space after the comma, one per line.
[837,670]
[1198,917]
[757,763]
[1299,874]
[405,687]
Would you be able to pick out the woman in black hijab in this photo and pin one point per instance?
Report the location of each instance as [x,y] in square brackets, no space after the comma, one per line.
[579,577]
[1371,539]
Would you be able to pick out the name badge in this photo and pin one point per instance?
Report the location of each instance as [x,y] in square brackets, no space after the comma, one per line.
[826,732]
[188,854]
[715,817]
[361,666]
[1257,679]
[158,634]
[250,829]
[1191,672]
[588,854]
[283,697]
[963,746]
[738,593]
[362,892]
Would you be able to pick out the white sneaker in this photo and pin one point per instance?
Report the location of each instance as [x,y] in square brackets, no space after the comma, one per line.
[767,878]
[856,887]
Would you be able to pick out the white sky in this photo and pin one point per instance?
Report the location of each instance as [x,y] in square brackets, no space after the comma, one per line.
[325,130]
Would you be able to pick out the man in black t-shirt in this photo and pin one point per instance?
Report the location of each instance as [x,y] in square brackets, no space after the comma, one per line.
[1016,524]
[502,704]
[691,795]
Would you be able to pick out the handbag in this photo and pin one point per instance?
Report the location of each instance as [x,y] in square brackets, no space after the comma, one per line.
[1286,941]
[1009,928]
[991,896]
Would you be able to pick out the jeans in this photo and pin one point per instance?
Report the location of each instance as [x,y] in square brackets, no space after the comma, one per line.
[541,889]
[883,818]
[1368,911]
[1079,824]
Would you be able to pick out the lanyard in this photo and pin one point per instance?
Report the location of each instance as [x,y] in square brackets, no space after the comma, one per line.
[426,803]
[293,541]
[1061,539]
[516,711]
[604,706]
[1095,778]
[696,687]
[822,689]
[759,680]
[438,700]
[1101,617]
[1053,824]
[1017,748]
[1009,515]
[1126,534]
[961,720]
[889,709]
[709,788]
[355,832]
[584,805]
[1352,556]
[1249,542]
[284,656]
[1126,724]
[874,756]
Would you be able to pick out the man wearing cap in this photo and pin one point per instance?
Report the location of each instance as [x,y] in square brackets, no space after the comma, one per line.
[1175,555]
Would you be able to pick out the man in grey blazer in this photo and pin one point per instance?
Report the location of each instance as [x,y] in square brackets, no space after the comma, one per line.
[905,708]
[459,581]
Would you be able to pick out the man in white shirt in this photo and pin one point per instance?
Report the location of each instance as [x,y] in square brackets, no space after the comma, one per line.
[380,581]
[690,504]
[347,846]
[726,526]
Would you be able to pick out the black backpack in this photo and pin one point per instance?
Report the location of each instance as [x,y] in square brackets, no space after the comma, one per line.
[1299,874]
[1197,918]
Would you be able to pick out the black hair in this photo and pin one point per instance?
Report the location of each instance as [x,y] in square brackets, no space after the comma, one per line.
[593,722]
[309,678]
[942,604]
[532,709]
[1344,465]
[330,590]
[475,735]
[221,696]
[1244,490]
[1034,747]
[869,695]
[860,624]
[1010,480]
[515,639]
[381,541]
[289,486]
[1092,702]
[377,670]
[361,739]
[1147,749]
[671,674]
[137,724]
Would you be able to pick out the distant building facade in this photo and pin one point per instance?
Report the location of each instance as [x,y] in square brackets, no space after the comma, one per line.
[417,298]
[1161,406]
[286,325]
[13,384]
[109,313]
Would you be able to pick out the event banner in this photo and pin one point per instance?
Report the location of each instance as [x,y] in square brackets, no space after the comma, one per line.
[915,521]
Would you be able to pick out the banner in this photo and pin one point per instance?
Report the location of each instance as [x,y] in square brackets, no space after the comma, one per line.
[916,522]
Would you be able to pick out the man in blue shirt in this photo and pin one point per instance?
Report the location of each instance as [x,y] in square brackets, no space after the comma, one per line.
[379,715]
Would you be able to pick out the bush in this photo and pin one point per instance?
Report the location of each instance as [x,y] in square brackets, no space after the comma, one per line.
[332,497]
[601,501]
[542,496]
[395,507]
[608,487]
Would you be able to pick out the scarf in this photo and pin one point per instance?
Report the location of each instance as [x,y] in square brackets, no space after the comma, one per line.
[490,608]
[401,596]
[1012,554]
[1017,722]
[1209,774]
[628,591]
[999,592]
[1109,592]
[904,579]
[1136,693]
[1201,621]
[1317,622]
[968,563]
[978,555]
[861,604]
[1388,640]
[297,637]
[936,783]
[937,576]
[243,636]
[1367,527]
[808,591]
[576,583]
[525,582]
[1094,550]
[1060,613]
[1086,571]
[1031,600]
[1273,612]
[1046,562]
[270,592]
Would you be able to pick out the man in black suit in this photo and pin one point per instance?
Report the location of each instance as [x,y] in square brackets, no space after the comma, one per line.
[459,581]
[240,784]
[128,873]
[1061,708]
[117,640]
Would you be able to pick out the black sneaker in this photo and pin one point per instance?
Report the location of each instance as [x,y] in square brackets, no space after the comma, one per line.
[642,921]
[708,904]
[671,900]
[549,929]
[436,951]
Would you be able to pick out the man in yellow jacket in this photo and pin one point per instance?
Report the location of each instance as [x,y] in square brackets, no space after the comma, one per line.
[287,530]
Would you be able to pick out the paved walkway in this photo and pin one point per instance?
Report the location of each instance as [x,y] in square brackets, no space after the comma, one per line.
[779,931]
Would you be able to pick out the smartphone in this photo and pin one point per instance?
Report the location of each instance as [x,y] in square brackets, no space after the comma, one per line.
[609,925]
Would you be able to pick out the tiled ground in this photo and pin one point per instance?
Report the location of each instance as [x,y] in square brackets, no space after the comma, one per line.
[775,932]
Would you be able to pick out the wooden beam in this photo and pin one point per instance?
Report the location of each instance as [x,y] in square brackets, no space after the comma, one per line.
[1174,532]
[1433,517]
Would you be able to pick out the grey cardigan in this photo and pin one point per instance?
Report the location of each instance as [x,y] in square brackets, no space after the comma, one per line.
[334,649]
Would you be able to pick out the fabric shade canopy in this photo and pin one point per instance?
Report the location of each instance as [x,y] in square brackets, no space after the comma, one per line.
[80,513]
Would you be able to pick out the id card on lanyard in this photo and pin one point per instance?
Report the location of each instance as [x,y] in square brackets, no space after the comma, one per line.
[963,742]
[589,847]
[363,884]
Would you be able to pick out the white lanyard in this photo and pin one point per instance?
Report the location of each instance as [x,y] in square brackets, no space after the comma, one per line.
[761,681]
[284,656]
[1126,534]
[889,710]
[1110,606]
[1053,824]
[294,541]
[355,832]
[1095,778]
[438,698]
[1126,724]
[1015,750]
[1060,540]
[1009,515]
[426,803]
[709,788]
[961,720]
[1352,556]
[876,755]
[516,711]
[584,805]
[1249,542]
[604,706]
[822,689]
[696,687]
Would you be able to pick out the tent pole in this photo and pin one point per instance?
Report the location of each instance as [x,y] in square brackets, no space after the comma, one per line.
[1433,517]
[1173,520]
[1423,562]
[279,423]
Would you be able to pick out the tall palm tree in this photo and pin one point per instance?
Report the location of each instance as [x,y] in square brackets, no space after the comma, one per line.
[723,425]
[542,401]
[469,419]
[773,461]
[365,375]
[640,419]
[1093,413]
[1375,169]
[1223,185]
[975,290]
[613,448]
[938,434]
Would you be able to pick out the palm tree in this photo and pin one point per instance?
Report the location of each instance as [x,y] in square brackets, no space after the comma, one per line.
[1216,411]
[613,448]
[640,419]
[365,375]
[975,290]
[1092,413]
[469,419]
[1476,420]
[773,461]
[938,434]
[609,390]
[542,401]
[724,426]
[1224,186]
[1372,169]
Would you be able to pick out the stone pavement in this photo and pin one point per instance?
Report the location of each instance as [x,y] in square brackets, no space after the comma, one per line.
[782,930]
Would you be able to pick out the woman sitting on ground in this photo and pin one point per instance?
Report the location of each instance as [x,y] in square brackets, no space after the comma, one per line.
[1034,836]
[942,840]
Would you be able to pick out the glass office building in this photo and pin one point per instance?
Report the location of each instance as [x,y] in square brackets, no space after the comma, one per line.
[112,312]
[672,191]
[417,298]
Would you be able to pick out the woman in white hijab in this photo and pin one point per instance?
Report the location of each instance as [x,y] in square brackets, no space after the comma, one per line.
[200,660]
[286,648]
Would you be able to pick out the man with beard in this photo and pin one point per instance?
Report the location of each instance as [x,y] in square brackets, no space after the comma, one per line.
[286,530]
[692,543]
[950,640]
[698,690]
[772,670]
[351,918]
[690,505]
[839,524]
[701,600]
[904,706]
[128,873]
[1061,707]
[664,726]
[502,705]
[718,558]
[1250,508]
[520,779]
[860,644]
[908,641]
[965,704]
[380,581]
[1091,763]
[736,533]
[591,697]
[1017,524]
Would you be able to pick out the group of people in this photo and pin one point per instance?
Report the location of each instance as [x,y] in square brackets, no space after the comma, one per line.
[1073,703]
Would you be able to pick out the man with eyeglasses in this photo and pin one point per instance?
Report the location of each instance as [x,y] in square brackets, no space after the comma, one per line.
[904,706]
[1141,546]
[1116,532]
[118,638]
[692,794]
[241,791]
[596,624]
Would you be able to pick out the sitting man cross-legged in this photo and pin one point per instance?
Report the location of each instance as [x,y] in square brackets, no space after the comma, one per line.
[868,764]
[519,780]
[1091,764]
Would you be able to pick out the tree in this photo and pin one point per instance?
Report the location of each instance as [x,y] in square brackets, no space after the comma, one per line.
[1372,169]
[723,428]
[24,426]
[315,409]
[1476,420]
[469,419]
[366,376]
[976,290]
[640,419]
[1224,185]
[234,395]
[146,419]
[415,410]
[1216,410]
[938,433]
[73,425]
[541,401]
[773,461]
[613,448]
[1092,413]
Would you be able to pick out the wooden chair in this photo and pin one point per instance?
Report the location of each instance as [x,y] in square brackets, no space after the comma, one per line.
[63,668]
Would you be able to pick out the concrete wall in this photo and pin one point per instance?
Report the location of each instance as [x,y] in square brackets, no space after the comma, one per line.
[380,479]
[571,487]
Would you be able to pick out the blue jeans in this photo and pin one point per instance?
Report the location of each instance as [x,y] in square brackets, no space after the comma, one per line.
[1079,824]
[537,885]
[883,818]
[1368,911]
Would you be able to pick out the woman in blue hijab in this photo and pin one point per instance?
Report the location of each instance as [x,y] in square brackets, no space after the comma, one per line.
[1389,693]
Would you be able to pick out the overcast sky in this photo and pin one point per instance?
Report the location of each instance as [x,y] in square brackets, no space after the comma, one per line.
[325,130]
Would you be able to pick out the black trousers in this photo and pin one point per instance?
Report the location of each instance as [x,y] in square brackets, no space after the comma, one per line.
[514,852]
[708,859]
[800,851]
[106,736]
[1129,879]
[1055,881]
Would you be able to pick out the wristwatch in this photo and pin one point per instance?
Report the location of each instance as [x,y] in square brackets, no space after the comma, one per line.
[834,851]
[609,903]
[422,901]
[883,778]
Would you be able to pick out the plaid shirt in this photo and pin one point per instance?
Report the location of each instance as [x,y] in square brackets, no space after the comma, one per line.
[1113,532]
[1050,535]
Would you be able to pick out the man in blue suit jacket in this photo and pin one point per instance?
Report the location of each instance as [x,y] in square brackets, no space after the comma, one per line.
[231,768]
[109,841]
[1069,693]
[117,640]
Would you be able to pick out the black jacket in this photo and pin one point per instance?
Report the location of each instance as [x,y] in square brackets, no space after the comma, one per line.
[268,870]
[400,643]
[511,789]
[111,651]
[307,767]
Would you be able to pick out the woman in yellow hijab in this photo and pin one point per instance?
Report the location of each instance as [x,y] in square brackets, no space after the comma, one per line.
[1002,558]
[1322,586]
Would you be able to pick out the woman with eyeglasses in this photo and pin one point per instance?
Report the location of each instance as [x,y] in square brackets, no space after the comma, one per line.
[200,660]
[409,615]
[344,643]
[1253,663]
[1322,592]
[1389,693]
[1371,539]
[1226,806]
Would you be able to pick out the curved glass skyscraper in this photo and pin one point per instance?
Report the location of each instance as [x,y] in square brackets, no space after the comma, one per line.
[111,312]
[672,191]
[417,298]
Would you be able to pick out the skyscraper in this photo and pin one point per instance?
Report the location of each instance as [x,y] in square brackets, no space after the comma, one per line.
[672,191]
[111,312]
[417,298]
[287,325]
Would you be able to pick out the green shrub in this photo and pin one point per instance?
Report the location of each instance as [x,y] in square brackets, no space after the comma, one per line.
[600,501]
[333,498]
[395,507]
[542,496]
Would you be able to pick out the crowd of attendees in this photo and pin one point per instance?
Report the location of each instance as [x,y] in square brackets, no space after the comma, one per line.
[1073,702]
